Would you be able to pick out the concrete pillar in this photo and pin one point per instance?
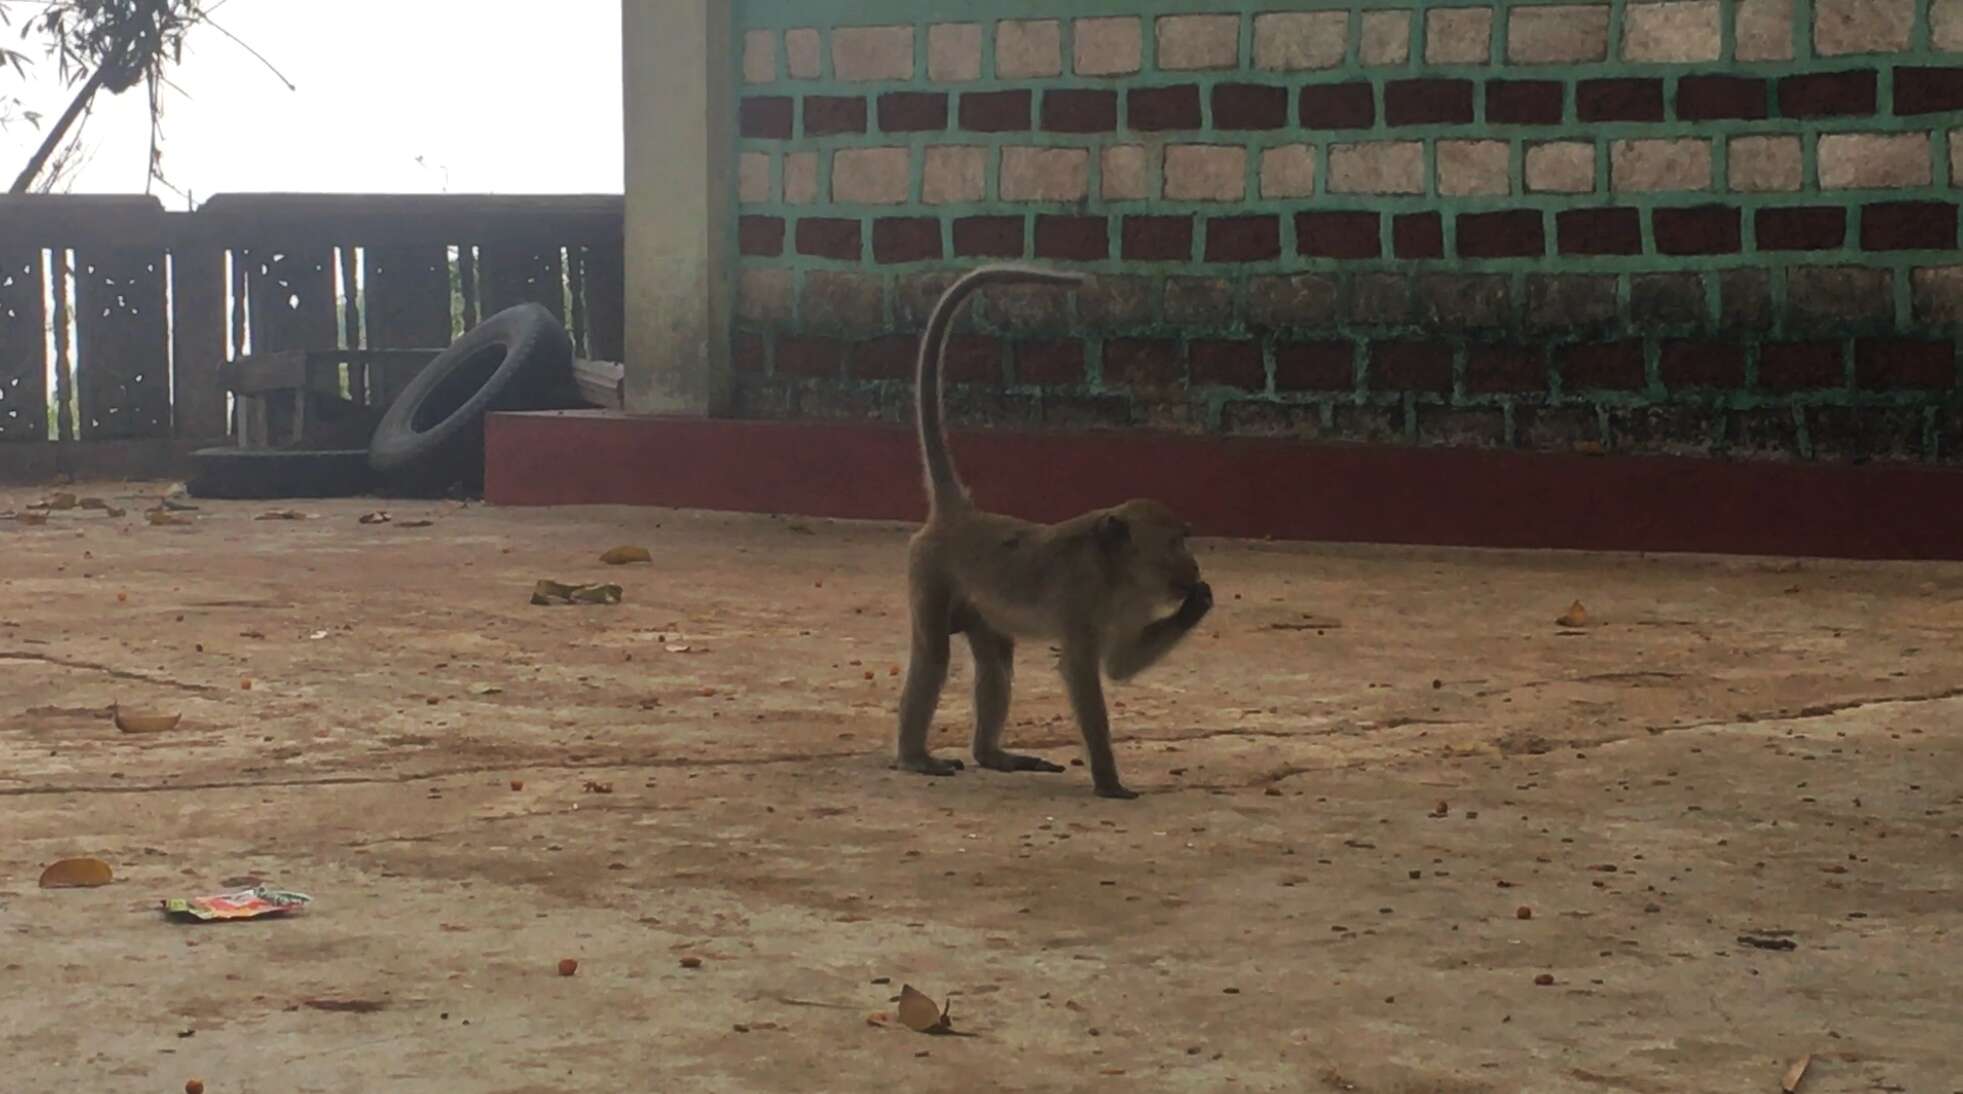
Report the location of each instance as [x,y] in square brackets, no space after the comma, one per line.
[680,150]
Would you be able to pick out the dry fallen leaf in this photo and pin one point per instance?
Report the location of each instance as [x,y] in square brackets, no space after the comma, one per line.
[919,1014]
[1795,1073]
[175,505]
[553,592]
[414,523]
[161,517]
[281,514]
[621,556]
[1576,616]
[376,518]
[132,721]
[592,787]
[111,511]
[61,502]
[31,518]
[93,503]
[77,873]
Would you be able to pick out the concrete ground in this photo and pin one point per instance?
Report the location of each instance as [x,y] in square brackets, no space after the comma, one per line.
[1399,831]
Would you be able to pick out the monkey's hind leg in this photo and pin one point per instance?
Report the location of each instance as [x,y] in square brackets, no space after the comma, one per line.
[995,660]
[926,675]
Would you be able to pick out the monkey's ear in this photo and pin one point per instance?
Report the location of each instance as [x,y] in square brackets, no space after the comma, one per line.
[1112,531]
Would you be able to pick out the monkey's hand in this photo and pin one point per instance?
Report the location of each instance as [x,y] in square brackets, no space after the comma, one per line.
[1198,602]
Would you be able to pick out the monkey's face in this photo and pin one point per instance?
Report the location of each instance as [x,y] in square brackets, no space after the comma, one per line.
[1152,545]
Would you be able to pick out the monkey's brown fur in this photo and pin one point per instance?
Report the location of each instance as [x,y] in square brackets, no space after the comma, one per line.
[1115,588]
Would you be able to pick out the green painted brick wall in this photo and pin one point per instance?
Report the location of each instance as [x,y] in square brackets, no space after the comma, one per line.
[1688,226]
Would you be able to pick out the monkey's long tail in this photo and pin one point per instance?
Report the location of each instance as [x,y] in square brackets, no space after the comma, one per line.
[942,482]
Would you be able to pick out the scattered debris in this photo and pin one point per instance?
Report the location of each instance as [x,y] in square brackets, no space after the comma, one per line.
[131,721]
[919,1014]
[250,903]
[1795,1073]
[30,518]
[517,784]
[281,514]
[593,787]
[1766,942]
[1575,616]
[378,517]
[58,503]
[1523,912]
[553,592]
[345,1006]
[93,503]
[194,1086]
[621,556]
[691,962]
[414,523]
[77,873]
[163,518]
[568,966]
[1544,980]
[486,689]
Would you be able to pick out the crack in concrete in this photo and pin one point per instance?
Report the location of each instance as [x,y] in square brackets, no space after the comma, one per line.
[120,674]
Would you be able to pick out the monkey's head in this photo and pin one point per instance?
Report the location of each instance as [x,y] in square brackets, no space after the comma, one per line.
[1147,542]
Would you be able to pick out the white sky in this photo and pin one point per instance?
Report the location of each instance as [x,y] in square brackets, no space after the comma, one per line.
[494,96]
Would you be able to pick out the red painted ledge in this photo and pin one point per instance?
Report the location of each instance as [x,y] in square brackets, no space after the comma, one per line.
[1241,487]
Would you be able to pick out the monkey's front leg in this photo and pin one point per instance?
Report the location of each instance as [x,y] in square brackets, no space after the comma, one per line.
[1086,690]
[926,675]
[1132,654]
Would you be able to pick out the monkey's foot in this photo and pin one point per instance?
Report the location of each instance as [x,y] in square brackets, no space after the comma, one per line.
[929,765]
[1013,761]
[1115,789]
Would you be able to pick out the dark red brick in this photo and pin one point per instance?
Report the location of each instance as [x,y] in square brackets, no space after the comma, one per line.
[1067,110]
[1800,228]
[1797,366]
[1052,363]
[889,357]
[1702,364]
[1613,231]
[1224,363]
[1315,366]
[1249,106]
[1509,233]
[760,235]
[1698,230]
[1523,102]
[1619,99]
[1828,94]
[1338,234]
[906,239]
[912,111]
[765,117]
[1504,370]
[994,111]
[1243,239]
[1418,235]
[1707,98]
[988,237]
[828,237]
[971,359]
[1908,226]
[1900,364]
[1072,238]
[1143,362]
[1428,102]
[1928,90]
[804,356]
[825,115]
[1157,109]
[1410,366]
[1338,106]
[1157,238]
[1599,366]
[748,352]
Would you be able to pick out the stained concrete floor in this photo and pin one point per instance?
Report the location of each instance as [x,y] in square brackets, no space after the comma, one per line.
[1384,794]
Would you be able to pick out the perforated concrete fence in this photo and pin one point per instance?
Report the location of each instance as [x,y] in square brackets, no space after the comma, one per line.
[1694,226]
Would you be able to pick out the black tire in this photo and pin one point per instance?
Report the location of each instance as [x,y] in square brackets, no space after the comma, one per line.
[279,473]
[431,441]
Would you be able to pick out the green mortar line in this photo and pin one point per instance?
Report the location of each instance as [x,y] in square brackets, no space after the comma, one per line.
[1802,30]
[1727,32]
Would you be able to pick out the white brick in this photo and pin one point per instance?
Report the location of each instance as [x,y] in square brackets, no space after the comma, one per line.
[954,52]
[1198,41]
[1107,46]
[1386,38]
[1558,34]
[753,178]
[1206,172]
[1045,174]
[1561,167]
[1764,29]
[1660,164]
[1458,36]
[1874,160]
[1946,25]
[801,178]
[1288,172]
[1473,167]
[869,176]
[1862,26]
[1291,40]
[801,53]
[872,53]
[1126,171]
[759,56]
[1764,164]
[1028,48]
[954,173]
[1377,167]
[1675,31]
